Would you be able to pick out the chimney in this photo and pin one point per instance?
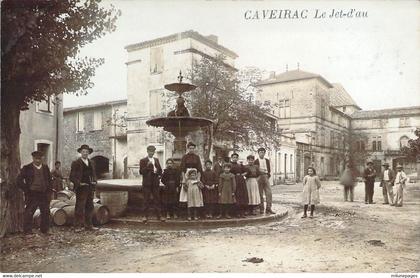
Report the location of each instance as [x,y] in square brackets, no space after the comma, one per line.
[213,38]
[272,74]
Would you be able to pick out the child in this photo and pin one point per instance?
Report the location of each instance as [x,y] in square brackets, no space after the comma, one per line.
[311,185]
[252,173]
[227,187]
[171,179]
[209,179]
[194,195]
[400,180]
[241,193]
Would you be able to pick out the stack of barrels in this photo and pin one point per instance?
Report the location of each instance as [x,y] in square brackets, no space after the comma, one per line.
[62,210]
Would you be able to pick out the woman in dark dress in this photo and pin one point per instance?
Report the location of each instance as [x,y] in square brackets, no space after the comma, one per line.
[210,180]
[241,192]
[171,179]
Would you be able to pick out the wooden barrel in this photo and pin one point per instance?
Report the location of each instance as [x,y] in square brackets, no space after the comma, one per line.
[58,216]
[101,214]
[65,195]
[59,204]
[116,201]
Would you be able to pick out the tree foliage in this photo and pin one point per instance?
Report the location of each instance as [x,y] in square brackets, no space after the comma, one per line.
[412,151]
[228,98]
[40,45]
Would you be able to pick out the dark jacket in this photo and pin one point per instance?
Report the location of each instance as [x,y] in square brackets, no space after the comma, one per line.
[257,162]
[26,177]
[369,175]
[149,177]
[76,172]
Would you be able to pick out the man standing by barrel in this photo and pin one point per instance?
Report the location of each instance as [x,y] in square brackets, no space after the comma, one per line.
[83,176]
[35,181]
[151,171]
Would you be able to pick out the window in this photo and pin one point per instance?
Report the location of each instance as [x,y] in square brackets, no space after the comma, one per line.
[45,106]
[156,60]
[323,108]
[157,104]
[404,141]
[331,139]
[322,141]
[80,122]
[291,163]
[404,122]
[344,109]
[376,123]
[284,108]
[97,120]
[377,143]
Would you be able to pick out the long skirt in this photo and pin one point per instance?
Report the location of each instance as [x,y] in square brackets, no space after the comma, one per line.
[210,196]
[241,193]
[195,197]
[253,191]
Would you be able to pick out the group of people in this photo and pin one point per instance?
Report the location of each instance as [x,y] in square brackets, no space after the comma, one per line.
[224,189]
[40,186]
[388,179]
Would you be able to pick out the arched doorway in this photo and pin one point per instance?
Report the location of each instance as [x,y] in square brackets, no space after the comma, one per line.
[101,166]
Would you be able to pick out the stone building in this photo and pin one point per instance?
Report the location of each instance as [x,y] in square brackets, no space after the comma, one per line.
[307,108]
[103,127]
[151,65]
[42,130]
[385,132]
[325,119]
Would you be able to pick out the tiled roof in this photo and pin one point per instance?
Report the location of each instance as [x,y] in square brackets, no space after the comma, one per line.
[293,75]
[178,36]
[393,112]
[83,107]
[340,97]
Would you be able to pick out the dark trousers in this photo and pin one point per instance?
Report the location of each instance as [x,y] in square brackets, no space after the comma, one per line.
[348,192]
[148,192]
[33,200]
[226,209]
[369,191]
[84,206]
[170,208]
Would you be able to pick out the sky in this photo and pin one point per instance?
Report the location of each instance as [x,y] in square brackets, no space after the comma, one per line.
[375,58]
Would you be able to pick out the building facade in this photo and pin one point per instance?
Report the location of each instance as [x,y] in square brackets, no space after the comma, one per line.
[103,127]
[324,119]
[42,129]
[151,65]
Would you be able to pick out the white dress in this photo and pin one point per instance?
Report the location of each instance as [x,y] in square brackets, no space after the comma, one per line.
[311,185]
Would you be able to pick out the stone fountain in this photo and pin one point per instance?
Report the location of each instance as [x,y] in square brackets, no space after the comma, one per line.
[179,122]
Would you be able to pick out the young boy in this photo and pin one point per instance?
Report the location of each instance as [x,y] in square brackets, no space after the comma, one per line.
[227,187]
[171,179]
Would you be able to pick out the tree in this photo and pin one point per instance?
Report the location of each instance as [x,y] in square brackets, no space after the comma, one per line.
[358,153]
[40,43]
[228,98]
[412,151]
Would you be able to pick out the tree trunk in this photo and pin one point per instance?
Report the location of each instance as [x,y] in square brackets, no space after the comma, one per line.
[11,205]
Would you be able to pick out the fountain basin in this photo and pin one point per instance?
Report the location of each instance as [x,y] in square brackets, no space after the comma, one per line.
[179,126]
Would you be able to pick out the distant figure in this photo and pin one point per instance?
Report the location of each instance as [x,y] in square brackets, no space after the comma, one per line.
[57,179]
[348,180]
[369,175]
[35,181]
[180,109]
[83,176]
[387,182]
[311,185]
[400,180]
[151,171]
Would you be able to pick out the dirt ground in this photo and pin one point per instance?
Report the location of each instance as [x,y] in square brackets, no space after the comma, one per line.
[343,237]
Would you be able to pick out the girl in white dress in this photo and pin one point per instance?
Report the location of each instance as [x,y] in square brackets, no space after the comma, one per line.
[311,185]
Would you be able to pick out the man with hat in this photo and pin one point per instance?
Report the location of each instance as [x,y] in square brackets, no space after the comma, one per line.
[151,171]
[387,182]
[263,181]
[35,181]
[369,175]
[83,176]
[400,180]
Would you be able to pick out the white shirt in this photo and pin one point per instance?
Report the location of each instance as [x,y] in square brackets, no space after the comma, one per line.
[263,165]
[386,175]
[152,160]
[400,176]
[38,167]
[85,160]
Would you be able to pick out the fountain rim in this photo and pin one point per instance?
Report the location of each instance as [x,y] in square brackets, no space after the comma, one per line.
[175,118]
